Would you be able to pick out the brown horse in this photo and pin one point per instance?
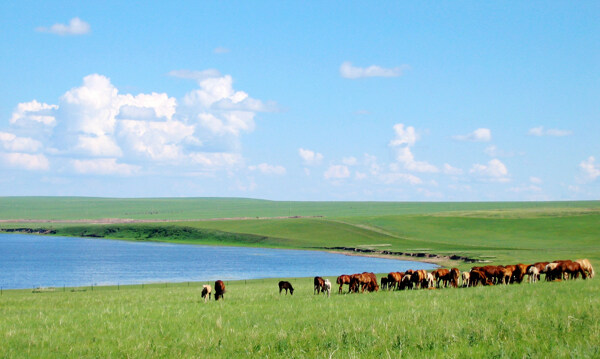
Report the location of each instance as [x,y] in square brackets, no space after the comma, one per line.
[284,284]
[219,289]
[341,280]
[319,285]
[394,279]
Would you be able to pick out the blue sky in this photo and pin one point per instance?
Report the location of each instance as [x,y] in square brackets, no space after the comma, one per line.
[435,101]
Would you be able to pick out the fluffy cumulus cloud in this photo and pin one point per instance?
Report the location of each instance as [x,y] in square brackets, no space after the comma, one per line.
[309,157]
[33,113]
[479,135]
[76,26]
[406,138]
[268,169]
[26,161]
[95,129]
[348,71]
[590,169]
[494,170]
[553,132]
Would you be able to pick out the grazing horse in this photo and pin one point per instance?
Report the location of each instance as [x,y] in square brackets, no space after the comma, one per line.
[287,286]
[586,266]
[341,280]
[394,279]
[465,279]
[551,271]
[419,278]
[572,269]
[429,281]
[534,273]
[505,274]
[519,272]
[477,276]
[441,274]
[318,285]
[384,283]
[406,282]
[540,267]
[206,291]
[327,287]
[219,289]
[454,274]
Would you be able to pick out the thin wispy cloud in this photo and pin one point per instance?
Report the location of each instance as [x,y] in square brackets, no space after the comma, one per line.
[76,26]
[479,135]
[348,71]
[552,132]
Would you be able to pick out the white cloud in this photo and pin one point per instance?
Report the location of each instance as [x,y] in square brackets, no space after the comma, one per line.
[33,112]
[25,161]
[309,157]
[104,166]
[352,72]
[75,27]
[391,178]
[494,170]
[589,168]
[10,142]
[479,135]
[405,138]
[268,169]
[161,141]
[94,121]
[101,146]
[449,170]
[553,132]
[337,172]
[214,160]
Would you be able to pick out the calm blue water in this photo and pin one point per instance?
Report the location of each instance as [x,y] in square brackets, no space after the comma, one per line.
[28,261]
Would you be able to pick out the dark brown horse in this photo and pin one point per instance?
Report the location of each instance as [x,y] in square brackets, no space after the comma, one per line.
[287,286]
[219,289]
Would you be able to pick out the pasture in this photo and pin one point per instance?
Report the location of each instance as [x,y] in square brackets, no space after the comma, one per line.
[558,319]
[526,320]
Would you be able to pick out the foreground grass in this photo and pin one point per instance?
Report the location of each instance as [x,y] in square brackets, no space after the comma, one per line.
[539,320]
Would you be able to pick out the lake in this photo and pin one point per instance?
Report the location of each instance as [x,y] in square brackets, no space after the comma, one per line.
[30,261]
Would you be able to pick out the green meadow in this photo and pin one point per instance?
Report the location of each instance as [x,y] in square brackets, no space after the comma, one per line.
[559,319]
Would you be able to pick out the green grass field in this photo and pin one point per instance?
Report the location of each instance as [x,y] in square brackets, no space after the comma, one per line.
[527,320]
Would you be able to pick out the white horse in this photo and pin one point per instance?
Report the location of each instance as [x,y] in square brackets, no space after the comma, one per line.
[465,276]
[206,291]
[327,287]
[533,273]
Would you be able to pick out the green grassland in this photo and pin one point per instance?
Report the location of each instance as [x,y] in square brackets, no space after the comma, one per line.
[552,320]
[526,320]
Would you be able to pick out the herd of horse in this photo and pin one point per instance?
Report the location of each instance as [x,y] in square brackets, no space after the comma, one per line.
[485,275]
[438,278]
